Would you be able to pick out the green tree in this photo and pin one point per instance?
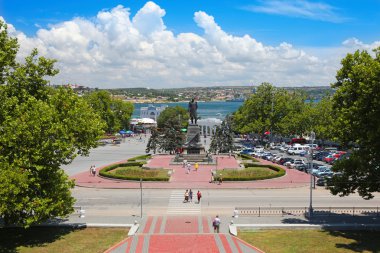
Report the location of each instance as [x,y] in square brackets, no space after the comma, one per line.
[154,141]
[8,52]
[40,129]
[357,116]
[114,112]
[173,115]
[223,139]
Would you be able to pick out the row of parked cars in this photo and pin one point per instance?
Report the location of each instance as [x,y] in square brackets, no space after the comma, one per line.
[321,172]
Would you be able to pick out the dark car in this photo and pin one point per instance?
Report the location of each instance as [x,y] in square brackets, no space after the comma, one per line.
[321,155]
[284,160]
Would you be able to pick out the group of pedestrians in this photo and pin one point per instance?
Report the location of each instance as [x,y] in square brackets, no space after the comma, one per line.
[189,196]
[218,179]
[187,166]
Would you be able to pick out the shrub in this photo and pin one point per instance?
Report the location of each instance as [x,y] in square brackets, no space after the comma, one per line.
[134,171]
[248,157]
[140,157]
[251,172]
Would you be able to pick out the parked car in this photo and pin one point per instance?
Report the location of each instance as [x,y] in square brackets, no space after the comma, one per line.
[287,164]
[321,155]
[284,160]
[319,169]
[324,172]
[329,158]
[296,150]
[296,162]
[247,151]
[323,181]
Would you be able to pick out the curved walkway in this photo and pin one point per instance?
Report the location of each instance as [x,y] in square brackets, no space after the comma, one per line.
[200,179]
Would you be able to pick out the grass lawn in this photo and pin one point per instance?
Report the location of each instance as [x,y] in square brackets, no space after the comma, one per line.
[295,241]
[250,173]
[59,239]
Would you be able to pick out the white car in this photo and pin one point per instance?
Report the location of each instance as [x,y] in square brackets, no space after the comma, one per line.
[296,162]
[297,150]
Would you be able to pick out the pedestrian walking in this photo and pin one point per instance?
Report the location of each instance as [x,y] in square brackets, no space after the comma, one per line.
[191,195]
[216,224]
[93,170]
[212,177]
[199,196]
[188,168]
[220,179]
[196,165]
[186,196]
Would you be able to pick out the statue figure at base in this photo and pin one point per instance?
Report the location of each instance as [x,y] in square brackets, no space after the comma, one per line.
[193,107]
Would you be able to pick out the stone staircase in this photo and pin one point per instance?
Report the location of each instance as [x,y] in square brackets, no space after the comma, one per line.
[173,234]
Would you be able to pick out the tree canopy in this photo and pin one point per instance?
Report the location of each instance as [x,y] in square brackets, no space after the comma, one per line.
[168,135]
[40,129]
[115,112]
[357,121]
[223,139]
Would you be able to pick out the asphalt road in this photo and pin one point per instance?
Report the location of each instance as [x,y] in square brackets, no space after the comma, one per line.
[111,204]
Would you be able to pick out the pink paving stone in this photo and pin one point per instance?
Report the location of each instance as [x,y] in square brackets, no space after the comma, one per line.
[199,179]
[181,225]
[182,244]
[158,225]
[148,225]
[206,226]
[140,244]
[225,243]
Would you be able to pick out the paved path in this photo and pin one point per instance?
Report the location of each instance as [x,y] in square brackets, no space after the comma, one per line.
[173,234]
[196,179]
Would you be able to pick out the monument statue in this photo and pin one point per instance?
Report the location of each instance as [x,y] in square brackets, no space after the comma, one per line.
[193,107]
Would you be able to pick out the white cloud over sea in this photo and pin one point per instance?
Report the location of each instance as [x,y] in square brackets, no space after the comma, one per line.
[114,49]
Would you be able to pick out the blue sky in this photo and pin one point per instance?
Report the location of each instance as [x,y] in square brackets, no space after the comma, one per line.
[316,28]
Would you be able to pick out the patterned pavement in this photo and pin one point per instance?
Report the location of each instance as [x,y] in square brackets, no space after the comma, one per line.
[195,179]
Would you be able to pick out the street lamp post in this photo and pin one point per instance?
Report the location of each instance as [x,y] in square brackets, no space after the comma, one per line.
[312,138]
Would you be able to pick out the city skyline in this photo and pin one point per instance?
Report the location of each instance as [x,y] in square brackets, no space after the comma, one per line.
[120,44]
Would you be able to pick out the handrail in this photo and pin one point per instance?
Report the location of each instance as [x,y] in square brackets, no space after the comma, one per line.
[319,211]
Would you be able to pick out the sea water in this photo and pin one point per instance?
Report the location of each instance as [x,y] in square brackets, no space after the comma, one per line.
[215,109]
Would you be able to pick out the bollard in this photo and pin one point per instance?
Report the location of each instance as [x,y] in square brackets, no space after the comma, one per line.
[82,213]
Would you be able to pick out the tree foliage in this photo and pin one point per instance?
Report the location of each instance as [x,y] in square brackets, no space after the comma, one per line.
[273,109]
[171,115]
[40,129]
[223,139]
[357,110]
[114,112]
[168,136]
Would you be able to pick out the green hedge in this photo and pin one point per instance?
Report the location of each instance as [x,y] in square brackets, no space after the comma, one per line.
[105,172]
[140,157]
[226,177]
[248,157]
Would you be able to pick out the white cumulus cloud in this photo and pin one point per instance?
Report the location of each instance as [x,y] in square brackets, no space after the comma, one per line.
[114,49]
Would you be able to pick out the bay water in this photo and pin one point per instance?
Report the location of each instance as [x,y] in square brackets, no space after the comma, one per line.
[214,109]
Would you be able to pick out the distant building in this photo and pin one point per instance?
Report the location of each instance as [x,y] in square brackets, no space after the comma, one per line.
[152,112]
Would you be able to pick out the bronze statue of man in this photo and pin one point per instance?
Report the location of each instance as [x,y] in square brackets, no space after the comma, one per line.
[193,107]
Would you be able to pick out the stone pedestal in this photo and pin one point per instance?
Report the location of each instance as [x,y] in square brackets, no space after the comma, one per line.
[193,150]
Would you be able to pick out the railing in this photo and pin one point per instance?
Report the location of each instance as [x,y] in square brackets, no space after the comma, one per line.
[298,211]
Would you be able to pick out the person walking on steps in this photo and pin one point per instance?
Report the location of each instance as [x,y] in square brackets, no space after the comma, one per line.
[186,196]
[199,196]
[191,195]
[216,224]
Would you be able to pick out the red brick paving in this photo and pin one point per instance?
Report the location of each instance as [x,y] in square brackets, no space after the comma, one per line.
[140,243]
[181,225]
[158,225]
[206,227]
[148,225]
[196,179]
[226,245]
[182,244]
